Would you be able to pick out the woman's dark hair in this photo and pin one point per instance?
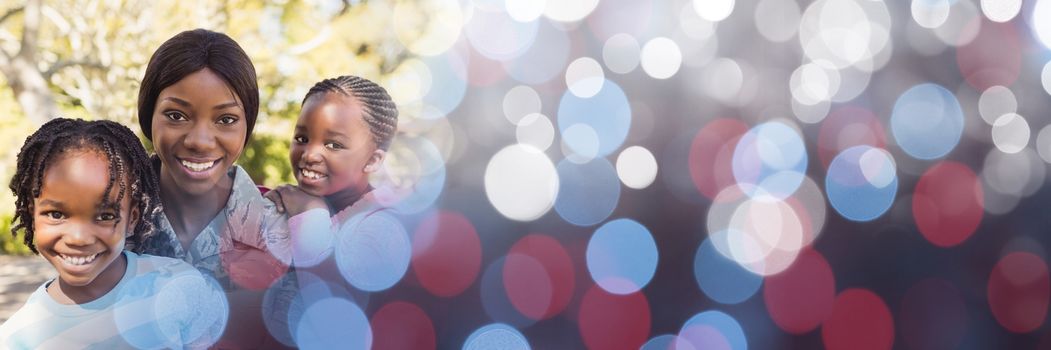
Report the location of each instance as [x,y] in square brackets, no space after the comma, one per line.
[129,166]
[189,52]
[380,112]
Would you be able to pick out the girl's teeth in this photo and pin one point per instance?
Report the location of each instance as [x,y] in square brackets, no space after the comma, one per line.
[311,174]
[197,166]
[79,260]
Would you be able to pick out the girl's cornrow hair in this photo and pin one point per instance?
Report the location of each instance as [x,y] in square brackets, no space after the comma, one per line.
[380,112]
[127,160]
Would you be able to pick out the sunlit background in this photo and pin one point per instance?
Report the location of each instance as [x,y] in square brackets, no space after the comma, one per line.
[625,174]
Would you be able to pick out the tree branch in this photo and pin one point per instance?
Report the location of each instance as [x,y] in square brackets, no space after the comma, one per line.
[30,29]
[69,63]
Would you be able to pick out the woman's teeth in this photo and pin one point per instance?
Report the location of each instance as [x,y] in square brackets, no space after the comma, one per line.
[78,260]
[310,174]
[197,166]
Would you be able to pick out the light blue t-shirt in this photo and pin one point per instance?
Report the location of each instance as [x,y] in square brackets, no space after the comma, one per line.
[159,303]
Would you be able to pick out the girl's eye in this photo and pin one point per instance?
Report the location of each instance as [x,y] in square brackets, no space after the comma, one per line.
[106,217]
[54,215]
[227,120]
[299,139]
[333,145]
[175,116]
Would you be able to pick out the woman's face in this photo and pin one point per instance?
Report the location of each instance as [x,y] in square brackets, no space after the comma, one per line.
[199,130]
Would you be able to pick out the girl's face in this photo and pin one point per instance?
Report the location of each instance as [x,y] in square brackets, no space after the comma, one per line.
[199,130]
[78,238]
[332,148]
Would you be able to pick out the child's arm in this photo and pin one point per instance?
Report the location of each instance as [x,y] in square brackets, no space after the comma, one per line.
[310,223]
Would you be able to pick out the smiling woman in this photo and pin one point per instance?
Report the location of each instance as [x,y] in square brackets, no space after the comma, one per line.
[198,104]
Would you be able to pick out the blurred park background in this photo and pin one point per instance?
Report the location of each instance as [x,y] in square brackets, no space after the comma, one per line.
[606,174]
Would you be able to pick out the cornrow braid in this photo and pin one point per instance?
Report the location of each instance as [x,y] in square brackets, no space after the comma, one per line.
[379,110]
[127,160]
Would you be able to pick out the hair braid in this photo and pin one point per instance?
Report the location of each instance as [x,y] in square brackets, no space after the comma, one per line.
[379,110]
[127,162]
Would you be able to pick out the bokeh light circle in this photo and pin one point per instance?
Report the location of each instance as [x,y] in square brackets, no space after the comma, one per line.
[712,330]
[519,102]
[447,87]
[569,10]
[661,58]
[621,53]
[622,256]
[948,203]
[412,177]
[1042,22]
[1010,133]
[847,127]
[539,276]
[814,82]
[332,323]
[711,155]
[584,77]
[402,325]
[442,21]
[373,251]
[859,320]
[496,336]
[521,182]
[608,113]
[1043,143]
[995,102]
[722,279]
[927,121]
[1015,174]
[612,321]
[993,58]
[535,130]
[862,183]
[636,167]
[1045,77]
[525,10]
[1019,289]
[800,298]
[962,26]
[722,79]
[495,299]
[764,235]
[1001,10]
[770,159]
[667,342]
[580,143]
[446,253]
[776,20]
[930,13]
[587,192]
[189,309]
[497,36]
[713,10]
[844,32]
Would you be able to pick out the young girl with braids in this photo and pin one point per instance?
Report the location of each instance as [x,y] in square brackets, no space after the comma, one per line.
[344,130]
[86,199]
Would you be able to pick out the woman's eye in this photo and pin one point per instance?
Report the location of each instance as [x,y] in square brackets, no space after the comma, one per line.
[299,139]
[227,120]
[175,116]
[333,145]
